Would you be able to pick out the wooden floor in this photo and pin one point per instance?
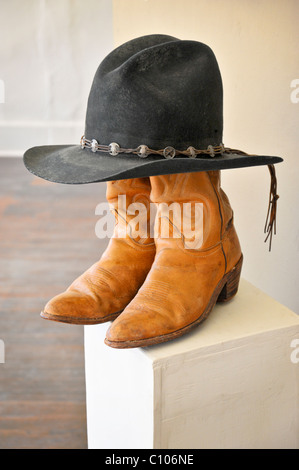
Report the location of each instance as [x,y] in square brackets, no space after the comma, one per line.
[47,238]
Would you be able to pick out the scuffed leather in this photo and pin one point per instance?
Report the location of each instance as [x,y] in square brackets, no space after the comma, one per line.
[110,284]
[181,281]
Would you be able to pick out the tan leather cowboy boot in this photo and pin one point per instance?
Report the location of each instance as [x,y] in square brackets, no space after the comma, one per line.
[184,282]
[104,290]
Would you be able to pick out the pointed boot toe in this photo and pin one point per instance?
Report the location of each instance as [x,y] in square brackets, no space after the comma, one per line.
[128,330]
[140,325]
[76,308]
[123,333]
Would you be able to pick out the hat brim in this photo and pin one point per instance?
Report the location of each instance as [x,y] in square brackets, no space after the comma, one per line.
[70,164]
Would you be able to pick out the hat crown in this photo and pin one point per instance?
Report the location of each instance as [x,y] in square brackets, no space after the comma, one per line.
[157,91]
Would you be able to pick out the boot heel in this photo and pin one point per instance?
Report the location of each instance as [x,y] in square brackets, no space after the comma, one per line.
[231,286]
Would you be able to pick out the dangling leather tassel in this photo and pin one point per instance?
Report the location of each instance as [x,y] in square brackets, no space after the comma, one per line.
[270,225]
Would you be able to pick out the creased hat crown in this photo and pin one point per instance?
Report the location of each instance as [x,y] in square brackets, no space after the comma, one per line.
[154,108]
[157,91]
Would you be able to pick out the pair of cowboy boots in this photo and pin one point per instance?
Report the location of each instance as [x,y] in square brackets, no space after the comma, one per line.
[156,287]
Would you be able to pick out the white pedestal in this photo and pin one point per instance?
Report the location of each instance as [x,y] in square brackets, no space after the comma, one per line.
[231,383]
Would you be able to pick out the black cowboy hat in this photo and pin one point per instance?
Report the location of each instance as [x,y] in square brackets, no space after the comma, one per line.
[155,107]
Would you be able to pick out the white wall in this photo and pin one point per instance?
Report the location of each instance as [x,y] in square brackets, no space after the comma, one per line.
[256,43]
[49,52]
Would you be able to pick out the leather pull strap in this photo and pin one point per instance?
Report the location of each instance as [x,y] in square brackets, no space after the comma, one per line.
[270,224]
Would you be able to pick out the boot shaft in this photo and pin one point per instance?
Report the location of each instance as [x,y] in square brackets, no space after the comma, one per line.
[187,189]
[129,201]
